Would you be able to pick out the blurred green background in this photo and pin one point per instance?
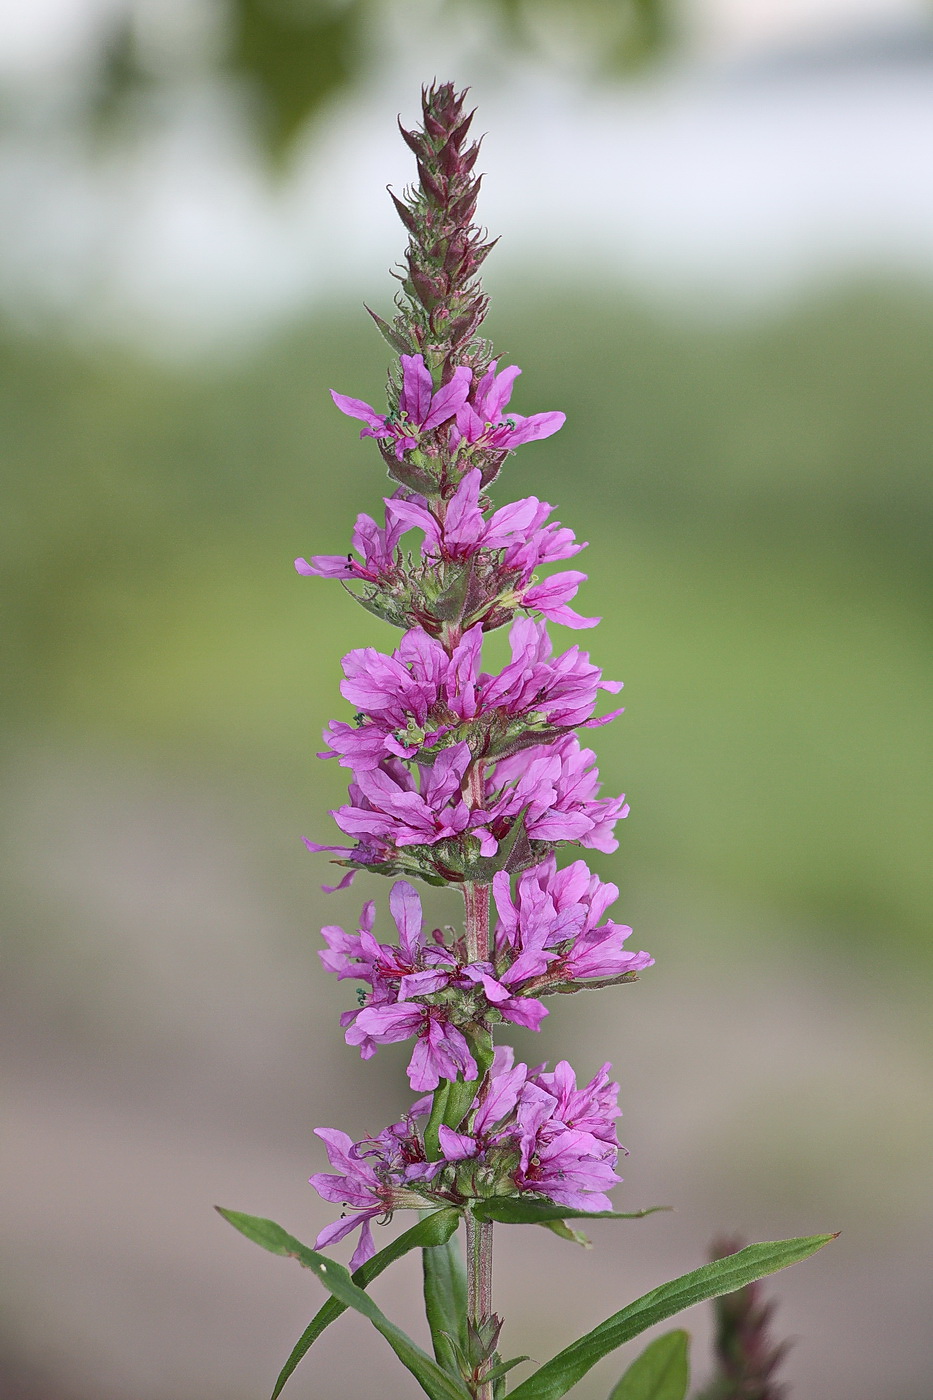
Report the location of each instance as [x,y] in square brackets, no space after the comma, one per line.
[757,495]
[758,503]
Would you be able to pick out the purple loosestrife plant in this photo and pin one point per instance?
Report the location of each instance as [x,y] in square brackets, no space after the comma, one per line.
[478,781]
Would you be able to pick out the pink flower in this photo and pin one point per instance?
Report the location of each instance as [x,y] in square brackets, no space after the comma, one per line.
[591,1109]
[556,787]
[482,423]
[493,1118]
[570,1163]
[520,1010]
[415,698]
[374,1177]
[377,547]
[563,689]
[509,546]
[407,701]
[518,527]
[441,1050]
[562,1139]
[530,1131]
[552,597]
[420,409]
[405,981]
[382,965]
[385,803]
[550,933]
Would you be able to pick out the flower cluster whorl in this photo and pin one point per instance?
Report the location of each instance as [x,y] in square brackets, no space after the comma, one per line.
[532,1133]
[548,940]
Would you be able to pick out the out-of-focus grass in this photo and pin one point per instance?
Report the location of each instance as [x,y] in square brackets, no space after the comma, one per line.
[758,500]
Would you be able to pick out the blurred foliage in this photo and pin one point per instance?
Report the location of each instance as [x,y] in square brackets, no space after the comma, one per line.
[759,503]
[294,55]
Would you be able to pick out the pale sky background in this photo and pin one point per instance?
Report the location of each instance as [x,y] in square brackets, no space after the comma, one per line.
[788,141]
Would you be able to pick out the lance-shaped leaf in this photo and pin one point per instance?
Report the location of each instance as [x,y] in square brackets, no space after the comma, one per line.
[452,1100]
[563,1231]
[445,1301]
[660,1373]
[435,1383]
[562,1372]
[503,1368]
[515,1210]
[402,345]
[437,1116]
[435,1229]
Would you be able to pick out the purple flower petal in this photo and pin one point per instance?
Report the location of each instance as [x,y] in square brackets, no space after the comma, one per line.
[324,566]
[456,1147]
[356,408]
[405,905]
[334,1233]
[498,394]
[417,387]
[535,427]
[523,1011]
[448,398]
[365,1249]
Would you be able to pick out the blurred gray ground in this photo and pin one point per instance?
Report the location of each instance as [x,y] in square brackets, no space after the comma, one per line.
[173,1043]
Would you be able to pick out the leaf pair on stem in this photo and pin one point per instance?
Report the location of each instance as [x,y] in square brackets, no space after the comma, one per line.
[439,1377]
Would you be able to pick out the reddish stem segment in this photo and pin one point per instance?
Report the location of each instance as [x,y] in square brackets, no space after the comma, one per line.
[476,899]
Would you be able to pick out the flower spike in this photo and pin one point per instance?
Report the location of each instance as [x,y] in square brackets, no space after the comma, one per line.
[476,780]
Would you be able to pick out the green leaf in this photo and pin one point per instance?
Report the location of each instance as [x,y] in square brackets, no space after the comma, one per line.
[503,1368]
[461,1096]
[515,1210]
[453,1097]
[434,1229]
[436,1118]
[435,1383]
[558,1375]
[447,603]
[398,342]
[563,1231]
[445,1301]
[660,1373]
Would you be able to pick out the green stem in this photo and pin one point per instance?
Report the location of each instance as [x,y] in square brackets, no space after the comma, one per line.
[479,1286]
[478,1232]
